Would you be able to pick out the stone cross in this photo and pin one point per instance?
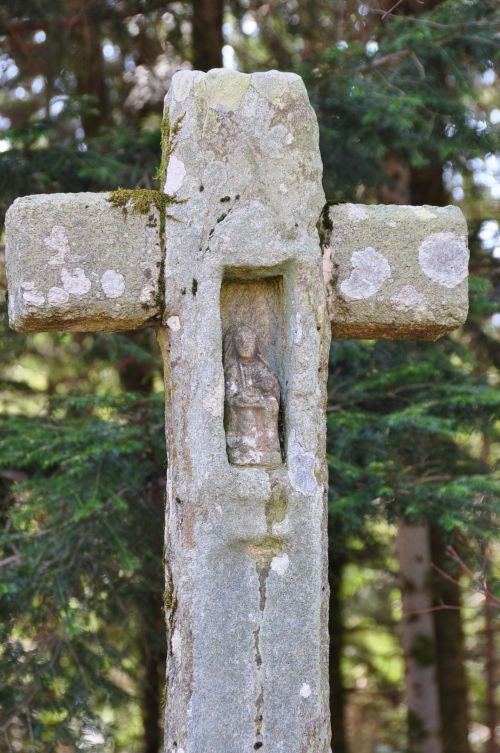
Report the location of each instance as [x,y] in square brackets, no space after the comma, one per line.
[231,271]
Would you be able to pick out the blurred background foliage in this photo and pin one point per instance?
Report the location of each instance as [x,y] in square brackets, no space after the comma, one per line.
[408,106]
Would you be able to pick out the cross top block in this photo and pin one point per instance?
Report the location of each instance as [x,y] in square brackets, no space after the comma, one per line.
[75,262]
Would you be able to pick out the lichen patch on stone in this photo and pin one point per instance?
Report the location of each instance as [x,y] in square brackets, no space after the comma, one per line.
[75,282]
[58,241]
[423,213]
[280,563]
[176,172]
[173,323]
[370,270]
[31,295]
[113,283]
[444,258]
[408,298]
[57,296]
[301,466]
[225,89]
[305,690]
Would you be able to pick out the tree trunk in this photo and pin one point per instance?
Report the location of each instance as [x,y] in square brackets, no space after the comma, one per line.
[336,632]
[207,34]
[450,651]
[417,634]
[85,45]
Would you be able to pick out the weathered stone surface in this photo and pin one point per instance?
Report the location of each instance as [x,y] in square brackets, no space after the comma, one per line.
[396,271]
[74,262]
[246,547]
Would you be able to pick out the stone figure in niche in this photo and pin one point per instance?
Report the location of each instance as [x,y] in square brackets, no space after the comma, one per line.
[252,400]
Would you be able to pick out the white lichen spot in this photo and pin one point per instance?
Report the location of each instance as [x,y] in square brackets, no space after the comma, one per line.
[370,270]
[147,293]
[280,563]
[75,282]
[57,296]
[176,172]
[356,212]
[411,300]
[177,644]
[444,257]
[58,241]
[300,466]
[34,297]
[289,139]
[113,283]
[283,188]
[305,690]
[327,264]
[174,323]
[297,330]
[27,285]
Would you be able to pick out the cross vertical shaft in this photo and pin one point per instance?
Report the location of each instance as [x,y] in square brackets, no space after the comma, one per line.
[245,543]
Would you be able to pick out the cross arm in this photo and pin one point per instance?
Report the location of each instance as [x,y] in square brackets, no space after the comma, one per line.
[75,262]
[395,272]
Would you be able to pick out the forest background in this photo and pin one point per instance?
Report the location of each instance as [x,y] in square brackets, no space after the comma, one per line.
[408,106]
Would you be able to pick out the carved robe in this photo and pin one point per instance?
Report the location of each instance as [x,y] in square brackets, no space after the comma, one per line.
[252,409]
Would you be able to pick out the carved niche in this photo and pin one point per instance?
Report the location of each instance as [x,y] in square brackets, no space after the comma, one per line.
[252,400]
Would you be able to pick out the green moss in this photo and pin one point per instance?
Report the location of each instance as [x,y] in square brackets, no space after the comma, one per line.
[140,200]
[263,550]
[276,507]
[143,200]
[169,135]
[324,225]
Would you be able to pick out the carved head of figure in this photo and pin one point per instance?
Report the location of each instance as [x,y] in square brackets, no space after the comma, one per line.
[241,343]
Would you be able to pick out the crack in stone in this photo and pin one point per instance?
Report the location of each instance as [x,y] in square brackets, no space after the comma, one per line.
[259,703]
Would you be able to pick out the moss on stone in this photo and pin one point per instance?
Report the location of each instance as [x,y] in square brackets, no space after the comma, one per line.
[324,225]
[276,507]
[140,200]
[143,200]
[263,550]
[169,135]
